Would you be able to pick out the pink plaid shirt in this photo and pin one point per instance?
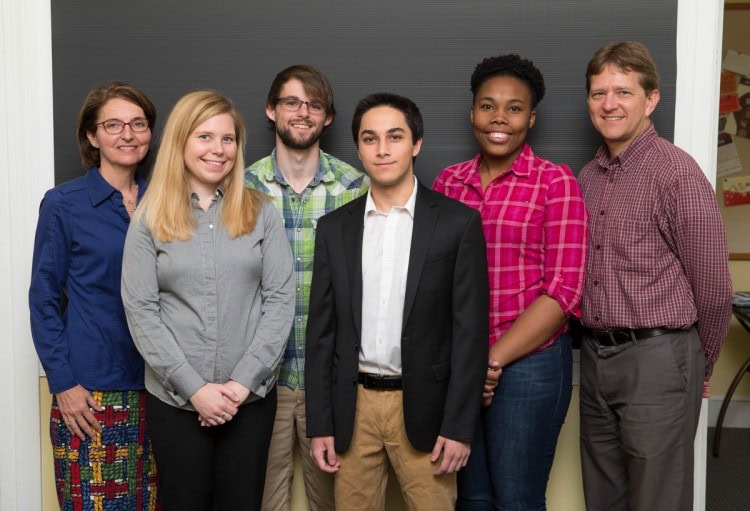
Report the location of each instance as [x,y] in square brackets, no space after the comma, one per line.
[658,250]
[536,227]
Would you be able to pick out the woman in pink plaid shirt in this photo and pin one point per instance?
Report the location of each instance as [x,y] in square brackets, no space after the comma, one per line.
[536,227]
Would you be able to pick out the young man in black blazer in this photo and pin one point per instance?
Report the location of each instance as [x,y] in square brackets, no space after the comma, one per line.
[397,335]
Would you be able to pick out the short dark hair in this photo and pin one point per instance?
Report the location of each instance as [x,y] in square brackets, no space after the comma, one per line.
[510,65]
[90,110]
[626,56]
[315,83]
[404,105]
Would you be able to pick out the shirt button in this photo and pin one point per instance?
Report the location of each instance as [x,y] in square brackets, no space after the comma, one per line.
[299,289]
[601,212]
[598,247]
[299,229]
[596,318]
[596,282]
[210,226]
[299,319]
[299,259]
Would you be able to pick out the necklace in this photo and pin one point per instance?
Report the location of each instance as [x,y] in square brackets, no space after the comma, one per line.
[129,202]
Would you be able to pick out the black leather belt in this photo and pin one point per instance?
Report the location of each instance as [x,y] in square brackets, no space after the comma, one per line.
[379,382]
[626,335]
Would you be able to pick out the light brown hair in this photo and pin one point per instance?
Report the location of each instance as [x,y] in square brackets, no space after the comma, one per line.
[626,56]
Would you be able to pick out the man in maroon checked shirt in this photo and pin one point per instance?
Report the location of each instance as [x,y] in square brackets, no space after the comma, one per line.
[657,297]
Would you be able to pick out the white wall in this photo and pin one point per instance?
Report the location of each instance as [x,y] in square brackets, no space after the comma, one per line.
[26,170]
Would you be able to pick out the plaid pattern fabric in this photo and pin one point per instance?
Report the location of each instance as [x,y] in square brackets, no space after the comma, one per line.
[658,253]
[536,227]
[334,184]
[113,471]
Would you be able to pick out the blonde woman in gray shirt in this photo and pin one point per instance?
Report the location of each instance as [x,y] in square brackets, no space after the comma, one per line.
[207,289]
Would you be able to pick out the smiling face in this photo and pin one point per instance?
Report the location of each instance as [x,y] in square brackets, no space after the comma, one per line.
[209,153]
[301,129]
[124,150]
[385,148]
[501,117]
[619,107]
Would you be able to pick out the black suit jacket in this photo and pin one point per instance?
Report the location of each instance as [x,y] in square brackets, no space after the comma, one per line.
[444,344]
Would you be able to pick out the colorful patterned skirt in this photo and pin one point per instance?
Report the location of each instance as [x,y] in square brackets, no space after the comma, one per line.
[113,471]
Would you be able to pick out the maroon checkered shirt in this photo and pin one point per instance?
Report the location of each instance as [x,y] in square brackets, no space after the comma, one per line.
[536,227]
[657,252]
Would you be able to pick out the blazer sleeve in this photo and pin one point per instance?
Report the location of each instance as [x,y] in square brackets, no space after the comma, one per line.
[321,340]
[470,345]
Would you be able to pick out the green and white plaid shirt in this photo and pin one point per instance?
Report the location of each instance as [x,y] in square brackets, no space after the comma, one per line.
[335,183]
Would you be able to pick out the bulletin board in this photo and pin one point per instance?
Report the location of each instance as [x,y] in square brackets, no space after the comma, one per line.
[734,187]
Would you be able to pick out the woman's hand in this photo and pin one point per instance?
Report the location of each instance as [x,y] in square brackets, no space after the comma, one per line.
[491,380]
[215,403]
[76,406]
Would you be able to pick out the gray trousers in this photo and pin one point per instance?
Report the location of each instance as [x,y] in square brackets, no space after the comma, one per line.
[640,404]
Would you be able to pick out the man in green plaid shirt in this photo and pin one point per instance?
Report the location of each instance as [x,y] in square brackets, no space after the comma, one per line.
[305,183]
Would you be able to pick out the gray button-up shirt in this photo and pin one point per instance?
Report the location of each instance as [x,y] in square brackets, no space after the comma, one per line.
[211,308]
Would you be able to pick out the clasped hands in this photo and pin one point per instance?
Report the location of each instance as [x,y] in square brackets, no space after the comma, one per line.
[218,403]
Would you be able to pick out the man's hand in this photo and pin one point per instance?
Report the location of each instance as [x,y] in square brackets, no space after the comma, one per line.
[491,380]
[455,455]
[322,451]
[706,388]
[76,405]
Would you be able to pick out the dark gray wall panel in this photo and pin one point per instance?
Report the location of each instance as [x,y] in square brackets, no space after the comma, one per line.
[422,49]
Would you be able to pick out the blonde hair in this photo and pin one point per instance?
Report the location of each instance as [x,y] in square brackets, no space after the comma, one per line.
[166,208]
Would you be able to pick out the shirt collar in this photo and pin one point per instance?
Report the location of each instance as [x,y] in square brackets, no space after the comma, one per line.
[631,155]
[323,173]
[521,166]
[100,190]
[409,206]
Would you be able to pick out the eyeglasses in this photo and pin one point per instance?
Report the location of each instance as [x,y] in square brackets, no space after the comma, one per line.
[292,104]
[115,126]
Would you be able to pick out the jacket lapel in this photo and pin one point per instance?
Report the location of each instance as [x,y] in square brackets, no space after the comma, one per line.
[425,217]
[352,233]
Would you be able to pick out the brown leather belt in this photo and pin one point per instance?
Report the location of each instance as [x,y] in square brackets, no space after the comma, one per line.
[380,382]
[626,335]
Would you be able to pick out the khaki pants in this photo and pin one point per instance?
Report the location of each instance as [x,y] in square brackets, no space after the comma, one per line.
[288,433]
[379,439]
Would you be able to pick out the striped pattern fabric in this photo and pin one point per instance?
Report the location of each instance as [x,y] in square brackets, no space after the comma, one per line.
[113,471]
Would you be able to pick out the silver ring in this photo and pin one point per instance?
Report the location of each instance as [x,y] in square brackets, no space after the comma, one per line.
[224,414]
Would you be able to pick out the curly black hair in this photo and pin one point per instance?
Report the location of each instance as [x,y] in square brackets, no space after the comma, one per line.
[510,65]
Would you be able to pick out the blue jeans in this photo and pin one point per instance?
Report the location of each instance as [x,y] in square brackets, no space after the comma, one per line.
[513,447]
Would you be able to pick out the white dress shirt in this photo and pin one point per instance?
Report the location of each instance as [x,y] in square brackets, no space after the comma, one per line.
[386,246]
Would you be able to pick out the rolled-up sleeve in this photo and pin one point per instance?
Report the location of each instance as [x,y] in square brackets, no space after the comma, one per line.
[566,229]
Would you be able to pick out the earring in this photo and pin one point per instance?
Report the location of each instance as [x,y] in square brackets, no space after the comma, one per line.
[95,146]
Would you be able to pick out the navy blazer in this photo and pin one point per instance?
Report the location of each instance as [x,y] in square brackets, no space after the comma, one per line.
[444,344]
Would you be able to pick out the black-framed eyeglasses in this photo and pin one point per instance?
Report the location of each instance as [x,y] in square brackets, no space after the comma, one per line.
[115,126]
[292,104]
